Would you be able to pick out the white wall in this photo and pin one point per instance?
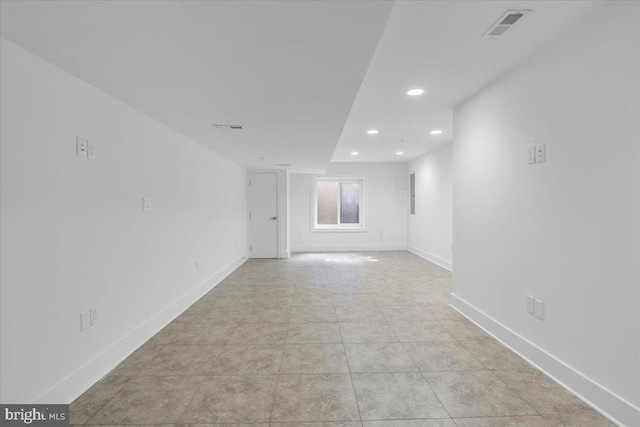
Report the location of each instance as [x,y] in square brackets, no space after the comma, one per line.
[74,235]
[430,234]
[565,231]
[386,210]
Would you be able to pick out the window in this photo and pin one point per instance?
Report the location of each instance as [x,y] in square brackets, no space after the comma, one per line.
[338,204]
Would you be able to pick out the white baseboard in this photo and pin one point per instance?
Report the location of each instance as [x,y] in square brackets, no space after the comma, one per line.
[610,405]
[284,254]
[79,381]
[350,247]
[430,257]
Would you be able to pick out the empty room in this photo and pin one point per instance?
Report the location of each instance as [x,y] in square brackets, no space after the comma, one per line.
[320,213]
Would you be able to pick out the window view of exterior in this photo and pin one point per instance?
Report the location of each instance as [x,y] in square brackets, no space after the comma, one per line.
[327,202]
[349,203]
[338,203]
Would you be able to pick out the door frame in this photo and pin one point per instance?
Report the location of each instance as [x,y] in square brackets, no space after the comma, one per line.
[278,213]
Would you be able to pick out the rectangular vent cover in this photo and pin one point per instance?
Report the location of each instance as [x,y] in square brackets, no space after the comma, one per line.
[228,127]
[506,21]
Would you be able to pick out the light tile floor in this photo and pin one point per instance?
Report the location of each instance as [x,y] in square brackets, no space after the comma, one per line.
[329,340]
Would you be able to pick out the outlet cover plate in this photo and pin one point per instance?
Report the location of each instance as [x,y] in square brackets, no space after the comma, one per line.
[82,147]
[541,153]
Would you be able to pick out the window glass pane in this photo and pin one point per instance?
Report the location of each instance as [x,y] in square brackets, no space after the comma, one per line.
[327,202]
[349,203]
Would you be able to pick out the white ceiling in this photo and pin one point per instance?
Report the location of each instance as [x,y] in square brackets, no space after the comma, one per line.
[290,71]
[438,46]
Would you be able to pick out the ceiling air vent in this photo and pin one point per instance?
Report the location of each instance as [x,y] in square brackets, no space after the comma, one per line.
[506,21]
[228,127]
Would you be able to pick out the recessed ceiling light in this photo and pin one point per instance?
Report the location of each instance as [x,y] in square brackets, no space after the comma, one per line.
[400,153]
[372,131]
[354,153]
[436,132]
[415,92]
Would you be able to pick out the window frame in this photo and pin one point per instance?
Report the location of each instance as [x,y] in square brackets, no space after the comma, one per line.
[337,228]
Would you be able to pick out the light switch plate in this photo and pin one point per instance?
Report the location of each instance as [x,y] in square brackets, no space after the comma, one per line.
[541,153]
[540,309]
[94,316]
[82,147]
[91,150]
[146,206]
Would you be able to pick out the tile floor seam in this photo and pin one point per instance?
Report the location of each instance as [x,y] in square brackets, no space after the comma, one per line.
[355,396]
[204,377]
[476,358]
[514,391]
[103,405]
[353,388]
[275,391]
[544,416]
[461,342]
[387,295]
[423,377]
[503,417]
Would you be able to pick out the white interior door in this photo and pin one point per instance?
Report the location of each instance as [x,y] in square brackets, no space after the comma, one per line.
[263,215]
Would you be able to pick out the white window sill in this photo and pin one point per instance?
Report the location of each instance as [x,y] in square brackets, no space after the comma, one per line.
[338,230]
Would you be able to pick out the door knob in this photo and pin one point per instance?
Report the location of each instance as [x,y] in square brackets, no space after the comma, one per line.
[273,218]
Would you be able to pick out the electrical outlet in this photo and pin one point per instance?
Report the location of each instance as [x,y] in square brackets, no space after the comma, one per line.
[530,304]
[532,155]
[85,321]
[197,264]
[146,206]
[82,147]
[539,309]
[541,153]
[94,316]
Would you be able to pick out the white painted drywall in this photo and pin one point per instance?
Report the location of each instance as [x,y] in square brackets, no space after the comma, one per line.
[386,209]
[283,214]
[566,231]
[74,235]
[430,234]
